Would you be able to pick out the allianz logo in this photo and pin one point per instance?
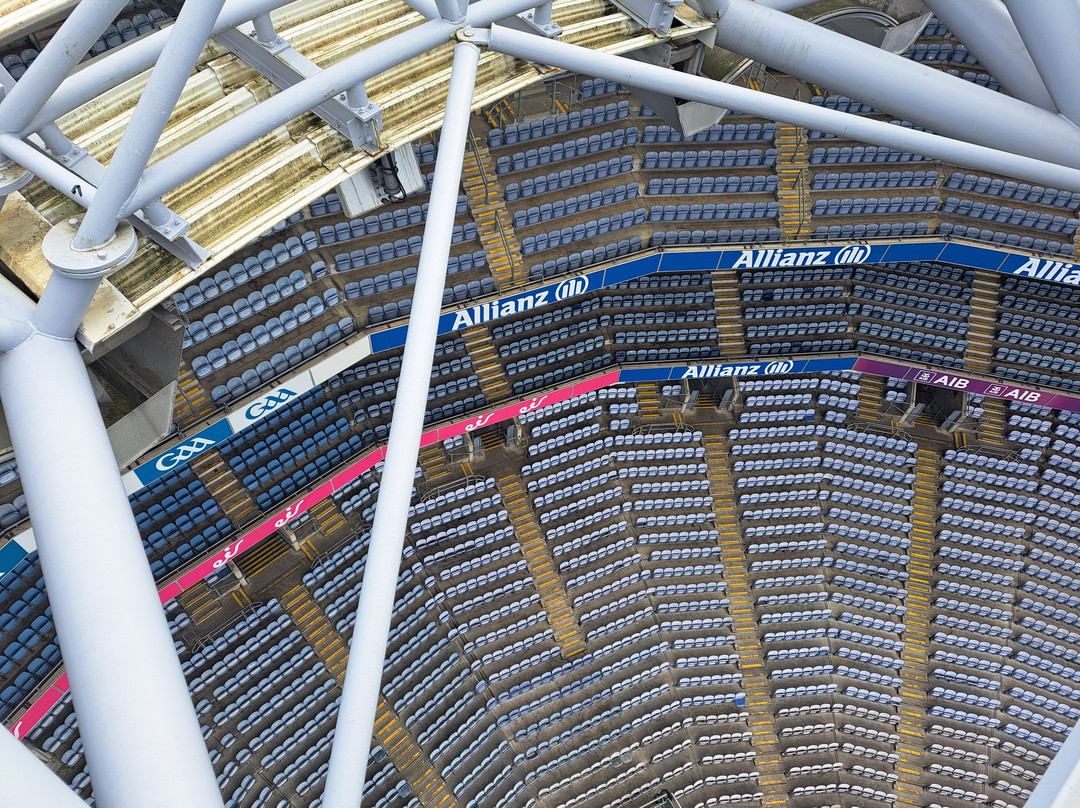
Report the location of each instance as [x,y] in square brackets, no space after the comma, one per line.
[777,368]
[767,259]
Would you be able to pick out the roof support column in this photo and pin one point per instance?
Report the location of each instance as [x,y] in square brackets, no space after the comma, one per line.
[374,610]
[1059,787]
[928,97]
[1050,29]
[987,30]
[34,785]
[117,648]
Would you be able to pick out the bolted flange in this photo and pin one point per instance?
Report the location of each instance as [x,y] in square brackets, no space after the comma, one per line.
[12,177]
[95,263]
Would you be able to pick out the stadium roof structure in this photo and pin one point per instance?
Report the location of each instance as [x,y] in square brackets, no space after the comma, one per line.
[129,178]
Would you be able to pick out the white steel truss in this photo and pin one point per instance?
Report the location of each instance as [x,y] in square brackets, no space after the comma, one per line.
[70,479]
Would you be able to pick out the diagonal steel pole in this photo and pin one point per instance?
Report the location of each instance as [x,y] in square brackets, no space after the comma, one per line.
[71,286]
[34,784]
[363,675]
[987,30]
[918,93]
[197,156]
[57,59]
[696,88]
[1050,29]
[187,38]
[142,739]
[117,66]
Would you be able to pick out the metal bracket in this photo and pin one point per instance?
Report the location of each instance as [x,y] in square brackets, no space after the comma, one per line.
[12,177]
[528,23]
[96,263]
[656,15]
[169,235]
[284,66]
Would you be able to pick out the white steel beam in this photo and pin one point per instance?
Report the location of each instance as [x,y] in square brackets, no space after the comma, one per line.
[57,59]
[987,30]
[696,88]
[1059,787]
[117,66]
[187,38]
[28,782]
[197,156]
[915,92]
[1050,29]
[363,674]
[142,739]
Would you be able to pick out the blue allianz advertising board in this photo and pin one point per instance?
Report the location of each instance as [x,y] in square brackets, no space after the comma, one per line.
[772,367]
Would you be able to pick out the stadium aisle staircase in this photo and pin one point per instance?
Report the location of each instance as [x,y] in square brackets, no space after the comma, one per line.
[500,114]
[200,602]
[485,361]
[328,517]
[490,441]
[192,401]
[433,464]
[542,567]
[993,422]
[728,314]
[648,401]
[492,219]
[980,336]
[771,775]
[230,494]
[913,705]
[390,732]
[870,397]
[267,552]
[410,760]
[317,630]
[793,189]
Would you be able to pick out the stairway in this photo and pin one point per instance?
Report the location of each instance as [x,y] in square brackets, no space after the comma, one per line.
[490,441]
[871,396]
[500,114]
[317,630]
[725,286]
[265,553]
[916,651]
[200,602]
[648,401]
[192,401]
[793,190]
[410,760]
[764,739]
[542,567]
[485,361]
[980,336]
[993,422]
[233,498]
[707,400]
[492,219]
[433,464]
[328,517]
